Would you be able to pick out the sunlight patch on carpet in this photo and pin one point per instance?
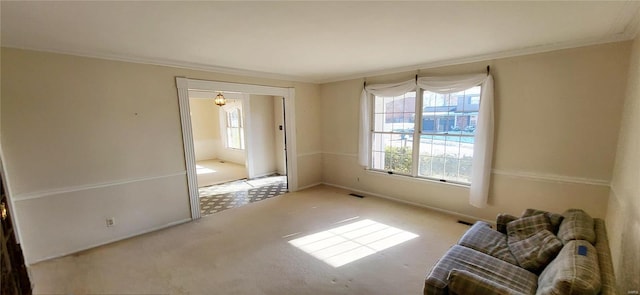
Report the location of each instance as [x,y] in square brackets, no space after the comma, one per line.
[341,245]
[204,170]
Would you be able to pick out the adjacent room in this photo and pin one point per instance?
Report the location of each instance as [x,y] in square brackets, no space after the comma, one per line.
[320,147]
[219,122]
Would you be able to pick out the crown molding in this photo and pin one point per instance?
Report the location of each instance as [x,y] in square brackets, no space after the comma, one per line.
[171,63]
[624,36]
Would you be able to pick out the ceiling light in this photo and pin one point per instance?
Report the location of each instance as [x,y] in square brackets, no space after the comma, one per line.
[220,100]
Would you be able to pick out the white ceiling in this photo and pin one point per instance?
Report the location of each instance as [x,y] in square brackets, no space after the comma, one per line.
[312,41]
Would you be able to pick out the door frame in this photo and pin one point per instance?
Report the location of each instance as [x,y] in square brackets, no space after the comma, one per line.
[184,85]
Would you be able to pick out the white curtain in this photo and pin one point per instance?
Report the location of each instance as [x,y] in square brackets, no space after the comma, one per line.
[483,145]
[449,84]
[364,138]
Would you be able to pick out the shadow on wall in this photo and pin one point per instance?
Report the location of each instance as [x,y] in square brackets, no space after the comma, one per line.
[630,256]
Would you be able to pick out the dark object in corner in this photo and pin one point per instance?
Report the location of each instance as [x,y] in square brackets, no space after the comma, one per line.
[465,223]
[356,195]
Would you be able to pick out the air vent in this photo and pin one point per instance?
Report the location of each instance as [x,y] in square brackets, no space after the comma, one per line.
[465,223]
[356,195]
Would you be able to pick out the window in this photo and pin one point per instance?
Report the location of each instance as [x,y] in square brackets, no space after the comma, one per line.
[234,132]
[392,142]
[435,142]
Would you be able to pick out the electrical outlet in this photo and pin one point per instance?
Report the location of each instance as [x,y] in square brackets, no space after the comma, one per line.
[110,222]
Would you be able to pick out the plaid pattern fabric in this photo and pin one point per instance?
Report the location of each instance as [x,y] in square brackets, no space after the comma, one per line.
[481,237]
[502,220]
[608,281]
[554,218]
[525,227]
[483,265]
[463,283]
[572,273]
[536,251]
[577,225]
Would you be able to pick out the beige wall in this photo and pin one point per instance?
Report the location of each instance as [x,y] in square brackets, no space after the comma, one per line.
[623,215]
[205,127]
[308,123]
[262,141]
[85,139]
[557,121]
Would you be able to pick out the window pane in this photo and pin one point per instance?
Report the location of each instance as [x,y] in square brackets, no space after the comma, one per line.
[452,146]
[379,124]
[392,152]
[451,168]
[378,103]
[388,104]
[398,159]
[426,145]
[446,141]
[437,146]
[235,138]
[465,171]
[395,114]
[378,161]
[432,167]
[450,112]
[234,131]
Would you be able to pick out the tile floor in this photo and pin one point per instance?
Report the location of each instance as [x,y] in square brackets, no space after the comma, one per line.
[241,192]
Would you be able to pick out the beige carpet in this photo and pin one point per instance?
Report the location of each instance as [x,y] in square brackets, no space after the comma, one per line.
[246,250]
[214,171]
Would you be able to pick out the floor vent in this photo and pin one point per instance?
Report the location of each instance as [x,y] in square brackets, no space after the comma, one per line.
[465,223]
[356,195]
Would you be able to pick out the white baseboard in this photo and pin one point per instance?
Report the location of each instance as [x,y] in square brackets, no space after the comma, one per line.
[309,186]
[464,216]
[264,174]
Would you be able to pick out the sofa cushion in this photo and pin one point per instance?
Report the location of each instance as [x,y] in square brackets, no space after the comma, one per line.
[554,218]
[525,227]
[502,220]
[483,265]
[574,271]
[462,282]
[577,225]
[481,237]
[536,251]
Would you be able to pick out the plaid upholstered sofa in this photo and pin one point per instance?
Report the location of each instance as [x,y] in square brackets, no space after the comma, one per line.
[537,253]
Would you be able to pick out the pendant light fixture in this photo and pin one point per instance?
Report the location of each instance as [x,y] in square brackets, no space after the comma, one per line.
[220,100]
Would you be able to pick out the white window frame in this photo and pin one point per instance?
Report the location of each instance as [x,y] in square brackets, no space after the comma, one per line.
[417,132]
[373,132]
[240,127]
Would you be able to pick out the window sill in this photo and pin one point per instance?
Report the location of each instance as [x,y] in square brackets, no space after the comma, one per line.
[416,179]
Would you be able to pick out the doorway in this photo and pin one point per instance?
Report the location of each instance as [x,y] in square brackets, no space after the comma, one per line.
[252,125]
[225,179]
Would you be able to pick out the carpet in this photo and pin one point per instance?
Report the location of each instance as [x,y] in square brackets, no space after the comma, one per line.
[263,248]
